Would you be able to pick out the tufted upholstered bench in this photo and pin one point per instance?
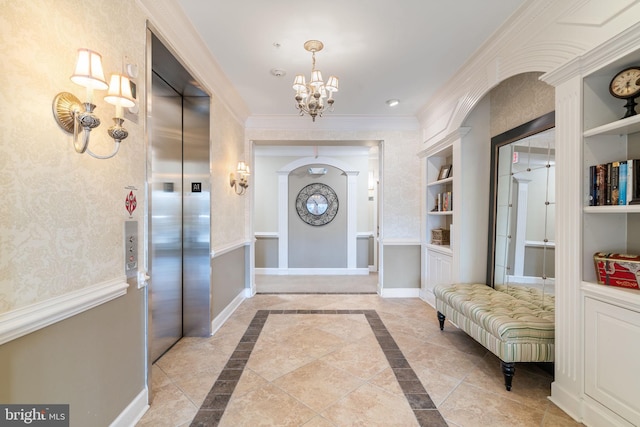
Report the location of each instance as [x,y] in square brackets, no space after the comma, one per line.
[515,323]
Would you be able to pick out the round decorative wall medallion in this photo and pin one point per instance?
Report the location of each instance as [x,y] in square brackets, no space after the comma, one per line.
[317,204]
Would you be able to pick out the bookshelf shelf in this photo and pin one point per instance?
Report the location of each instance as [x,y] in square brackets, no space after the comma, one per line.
[620,209]
[619,127]
[444,249]
[440,182]
[439,213]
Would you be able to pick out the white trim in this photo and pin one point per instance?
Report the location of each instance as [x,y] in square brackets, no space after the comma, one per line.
[22,321]
[283,219]
[352,208]
[529,280]
[269,271]
[266,234]
[169,22]
[436,144]
[427,296]
[400,242]
[364,234]
[333,123]
[400,293]
[134,411]
[228,311]
[229,248]
[313,271]
[566,400]
[539,244]
[595,413]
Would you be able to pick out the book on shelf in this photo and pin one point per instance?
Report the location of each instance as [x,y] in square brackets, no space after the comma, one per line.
[635,182]
[444,202]
[615,183]
[622,200]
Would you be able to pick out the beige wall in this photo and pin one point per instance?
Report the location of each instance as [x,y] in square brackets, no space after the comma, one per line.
[93,361]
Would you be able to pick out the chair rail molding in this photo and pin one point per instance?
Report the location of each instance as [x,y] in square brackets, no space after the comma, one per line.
[22,321]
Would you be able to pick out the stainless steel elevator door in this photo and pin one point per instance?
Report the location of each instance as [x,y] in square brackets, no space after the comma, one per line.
[165,249]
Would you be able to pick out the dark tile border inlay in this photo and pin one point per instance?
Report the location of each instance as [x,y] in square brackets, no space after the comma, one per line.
[214,405]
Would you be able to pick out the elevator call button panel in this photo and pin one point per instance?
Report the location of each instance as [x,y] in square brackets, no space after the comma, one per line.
[131,248]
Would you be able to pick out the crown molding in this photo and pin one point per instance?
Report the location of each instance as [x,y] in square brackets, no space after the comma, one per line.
[607,52]
[169,22]
[332,123]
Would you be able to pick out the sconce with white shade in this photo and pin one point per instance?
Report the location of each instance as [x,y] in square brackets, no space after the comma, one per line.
[71,114]
[240,183]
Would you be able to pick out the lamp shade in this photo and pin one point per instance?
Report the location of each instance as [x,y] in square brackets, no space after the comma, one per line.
[88,72]
[316,78]
[332,84]
[299,83]
[120,91]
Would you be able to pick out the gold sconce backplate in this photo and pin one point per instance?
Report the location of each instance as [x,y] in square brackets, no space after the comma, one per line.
[64,104]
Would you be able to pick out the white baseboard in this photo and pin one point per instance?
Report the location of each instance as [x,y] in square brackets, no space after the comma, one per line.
[313,271]
[566,400]
[595,414]
[428,297]
[400,293]
[228,311]
[134,411]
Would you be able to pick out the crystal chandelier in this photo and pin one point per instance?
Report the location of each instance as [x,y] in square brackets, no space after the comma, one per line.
[312,98]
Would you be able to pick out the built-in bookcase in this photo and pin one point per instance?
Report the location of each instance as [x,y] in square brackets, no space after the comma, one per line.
[607,138]
[440,200]
[609,315]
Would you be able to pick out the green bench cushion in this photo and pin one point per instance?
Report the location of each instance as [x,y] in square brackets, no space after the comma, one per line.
[516,324]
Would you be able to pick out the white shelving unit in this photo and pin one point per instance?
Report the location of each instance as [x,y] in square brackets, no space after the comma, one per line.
[443,264]
[597,326]
[437,259]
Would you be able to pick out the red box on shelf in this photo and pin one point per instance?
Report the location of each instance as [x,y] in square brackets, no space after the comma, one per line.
[619,270]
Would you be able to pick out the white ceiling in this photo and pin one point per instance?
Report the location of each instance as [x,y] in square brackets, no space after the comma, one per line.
[379,49]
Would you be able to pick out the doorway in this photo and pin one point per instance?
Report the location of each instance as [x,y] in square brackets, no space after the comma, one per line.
[323,255]
[179,203]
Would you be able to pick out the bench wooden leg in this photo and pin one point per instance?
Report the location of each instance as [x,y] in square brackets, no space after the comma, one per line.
[441,320]
[508,370]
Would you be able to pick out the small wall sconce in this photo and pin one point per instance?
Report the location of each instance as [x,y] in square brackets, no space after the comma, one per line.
[241,183]
[71,114]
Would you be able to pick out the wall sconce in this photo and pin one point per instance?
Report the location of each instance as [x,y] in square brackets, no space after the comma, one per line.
[241,183]
[70,113]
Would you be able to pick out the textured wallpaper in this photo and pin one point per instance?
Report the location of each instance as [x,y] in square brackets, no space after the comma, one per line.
[400,178]
[229,212]
[62,213]
[518,100]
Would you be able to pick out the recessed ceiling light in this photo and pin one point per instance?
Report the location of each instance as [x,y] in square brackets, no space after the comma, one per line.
[393,102]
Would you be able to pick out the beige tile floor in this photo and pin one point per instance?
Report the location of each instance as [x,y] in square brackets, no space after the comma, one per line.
[318,370]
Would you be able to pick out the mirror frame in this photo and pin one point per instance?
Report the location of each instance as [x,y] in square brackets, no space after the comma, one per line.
[540,124]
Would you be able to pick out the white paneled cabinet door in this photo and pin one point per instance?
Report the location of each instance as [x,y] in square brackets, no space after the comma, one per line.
[612,349]
[438,269]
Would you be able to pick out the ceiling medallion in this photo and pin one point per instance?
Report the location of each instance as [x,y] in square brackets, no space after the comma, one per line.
[312,98]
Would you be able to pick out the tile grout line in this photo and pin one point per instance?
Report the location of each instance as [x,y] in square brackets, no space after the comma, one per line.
[212,409]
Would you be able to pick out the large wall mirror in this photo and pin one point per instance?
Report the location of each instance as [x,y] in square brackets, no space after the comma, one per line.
[522,214]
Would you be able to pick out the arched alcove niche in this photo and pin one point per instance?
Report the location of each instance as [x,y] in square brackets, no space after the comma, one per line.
[451,107]
[348,205]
